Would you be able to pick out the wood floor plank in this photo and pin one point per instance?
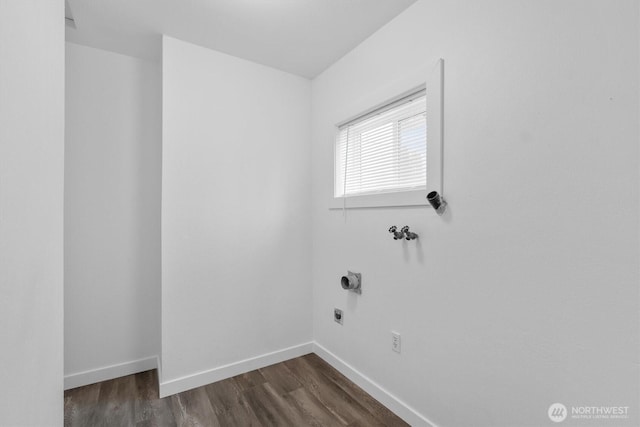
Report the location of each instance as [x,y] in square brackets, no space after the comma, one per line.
[79,404]
[319,387]
[240,415]
[115,403]
[336,400]
[375,408]
[150,410]
[249,380]
[270,408]
[162,414]
[223,395]
[280,378]
[315,413]
[192,408]
[145,395]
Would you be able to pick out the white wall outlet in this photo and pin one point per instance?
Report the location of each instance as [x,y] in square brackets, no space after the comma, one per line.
[395,342]
[337,315]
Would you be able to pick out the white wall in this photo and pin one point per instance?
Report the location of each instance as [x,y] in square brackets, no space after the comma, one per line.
[235,212]
[31,189]
[112,214]
[526,292]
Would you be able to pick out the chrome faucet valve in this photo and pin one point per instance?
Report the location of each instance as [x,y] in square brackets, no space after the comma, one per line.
[409,234]
[397,235]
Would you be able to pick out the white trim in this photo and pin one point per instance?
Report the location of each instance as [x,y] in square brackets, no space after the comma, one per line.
[435,128]
[382,200]
[209,376]
[394,404]
[105,373]
[188,382]
[159,369]
[416,92]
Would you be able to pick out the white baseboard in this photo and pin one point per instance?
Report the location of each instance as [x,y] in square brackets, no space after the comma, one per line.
[198,379]
[397,406]
[80,379]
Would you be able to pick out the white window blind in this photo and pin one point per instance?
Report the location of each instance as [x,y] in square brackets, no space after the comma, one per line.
[383,151]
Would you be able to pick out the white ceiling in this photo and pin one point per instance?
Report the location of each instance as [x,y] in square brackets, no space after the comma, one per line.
[303,37]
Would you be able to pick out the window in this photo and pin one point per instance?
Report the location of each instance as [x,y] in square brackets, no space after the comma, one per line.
[383,151]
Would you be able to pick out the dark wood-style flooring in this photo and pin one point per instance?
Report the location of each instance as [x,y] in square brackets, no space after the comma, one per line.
[305,391]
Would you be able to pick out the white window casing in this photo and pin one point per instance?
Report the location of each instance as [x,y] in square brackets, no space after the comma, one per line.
[391,155]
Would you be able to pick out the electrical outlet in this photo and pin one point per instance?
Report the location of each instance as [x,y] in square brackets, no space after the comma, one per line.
[395,342]
[337,315]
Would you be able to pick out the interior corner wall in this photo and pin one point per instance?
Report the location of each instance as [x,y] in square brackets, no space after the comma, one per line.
[112,214]
[525,293]
[235,214]
[31,193]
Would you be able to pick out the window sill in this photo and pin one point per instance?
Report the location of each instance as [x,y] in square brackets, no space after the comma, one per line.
[384,200]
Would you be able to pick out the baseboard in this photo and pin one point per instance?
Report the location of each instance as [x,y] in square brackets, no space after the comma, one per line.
[109,372]
[188,382]
[397,406]
[198,379]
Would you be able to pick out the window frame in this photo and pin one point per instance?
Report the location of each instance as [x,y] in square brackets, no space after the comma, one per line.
[434,86]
